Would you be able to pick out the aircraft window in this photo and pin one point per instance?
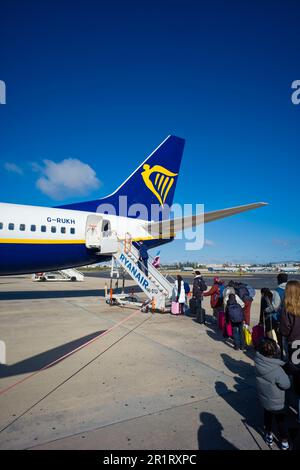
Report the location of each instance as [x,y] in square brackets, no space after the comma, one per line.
[1,225]
[63,229]
[32,228]
[72,231]
[22,227]
[43,228]
[53,229]
[11,226]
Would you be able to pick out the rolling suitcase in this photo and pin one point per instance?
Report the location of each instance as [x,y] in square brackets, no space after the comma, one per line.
[258,332]
[175,308]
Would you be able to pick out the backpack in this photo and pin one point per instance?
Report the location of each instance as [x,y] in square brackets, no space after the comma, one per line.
[243,293]
[217,298]
[187,289]
[251,291]
[203,285]
[221,291]
[235,313]
[199,286]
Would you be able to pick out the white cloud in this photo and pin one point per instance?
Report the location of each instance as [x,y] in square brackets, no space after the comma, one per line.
[13,168]
[68,178]
[209,243]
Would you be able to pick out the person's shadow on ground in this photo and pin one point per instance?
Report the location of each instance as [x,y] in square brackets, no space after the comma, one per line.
[210,434]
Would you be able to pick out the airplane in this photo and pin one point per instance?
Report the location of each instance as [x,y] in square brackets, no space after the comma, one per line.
[217,269]
[290,269]
[256,269]
[35,239]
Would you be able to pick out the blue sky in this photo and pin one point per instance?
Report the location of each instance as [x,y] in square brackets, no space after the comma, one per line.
[103,83]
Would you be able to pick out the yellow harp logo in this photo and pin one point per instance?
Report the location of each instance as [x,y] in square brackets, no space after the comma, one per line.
[159,180]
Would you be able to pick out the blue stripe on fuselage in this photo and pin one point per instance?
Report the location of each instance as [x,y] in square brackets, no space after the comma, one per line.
[22,258]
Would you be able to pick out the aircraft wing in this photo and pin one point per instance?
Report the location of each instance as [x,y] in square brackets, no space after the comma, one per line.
[168,228]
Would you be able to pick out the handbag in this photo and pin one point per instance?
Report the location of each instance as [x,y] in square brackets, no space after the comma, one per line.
[247,335]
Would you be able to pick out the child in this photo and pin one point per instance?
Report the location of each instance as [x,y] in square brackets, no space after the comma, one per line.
[272,381]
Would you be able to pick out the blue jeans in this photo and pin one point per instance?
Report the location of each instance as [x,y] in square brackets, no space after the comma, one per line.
[237,333]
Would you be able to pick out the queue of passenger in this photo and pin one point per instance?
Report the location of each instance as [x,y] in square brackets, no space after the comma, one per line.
[276,339]
[277,360]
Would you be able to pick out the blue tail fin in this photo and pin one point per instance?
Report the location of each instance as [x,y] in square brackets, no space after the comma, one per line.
[153,182]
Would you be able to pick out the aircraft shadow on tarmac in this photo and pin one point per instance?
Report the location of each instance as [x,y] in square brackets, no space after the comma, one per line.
[45,358]
[59,294]
[55,294]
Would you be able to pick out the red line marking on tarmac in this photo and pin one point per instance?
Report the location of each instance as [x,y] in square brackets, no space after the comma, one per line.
[68,354]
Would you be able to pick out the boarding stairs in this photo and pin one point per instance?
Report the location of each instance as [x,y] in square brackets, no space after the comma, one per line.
[106,242]
[156,287]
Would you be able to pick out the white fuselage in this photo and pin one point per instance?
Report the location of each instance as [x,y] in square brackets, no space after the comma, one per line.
[36,238]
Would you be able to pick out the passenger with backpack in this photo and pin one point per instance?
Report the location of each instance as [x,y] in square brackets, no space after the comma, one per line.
[231,290]
[199,286]
[234,314]
[247,294]
[216,296]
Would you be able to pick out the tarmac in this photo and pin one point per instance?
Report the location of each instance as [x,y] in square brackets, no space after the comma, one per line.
[136,381]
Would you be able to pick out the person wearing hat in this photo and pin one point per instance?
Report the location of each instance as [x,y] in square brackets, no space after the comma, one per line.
[216,296]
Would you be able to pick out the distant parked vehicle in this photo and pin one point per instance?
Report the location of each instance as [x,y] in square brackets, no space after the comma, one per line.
[63,275]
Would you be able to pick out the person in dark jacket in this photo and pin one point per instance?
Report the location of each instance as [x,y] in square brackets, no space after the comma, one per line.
[199,286]
[272,382]
[267,312]
[290,329]
[265,302]
[143,258]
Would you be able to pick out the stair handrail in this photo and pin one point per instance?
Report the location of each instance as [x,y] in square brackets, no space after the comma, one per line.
[154,272]
[128,243]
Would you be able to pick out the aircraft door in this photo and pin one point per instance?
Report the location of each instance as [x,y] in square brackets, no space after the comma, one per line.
[93,231]
[106,228]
